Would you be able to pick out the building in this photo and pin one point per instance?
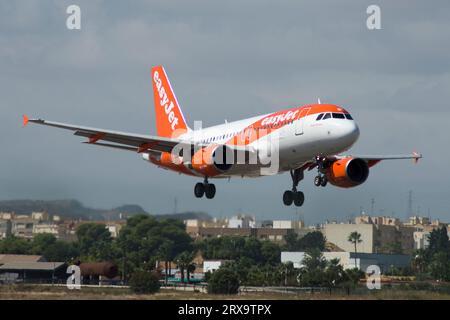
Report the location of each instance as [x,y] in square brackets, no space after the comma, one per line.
[421,239]
[241,221]
[212,265]
[113,227]
[347,260]
[288,224]
[46,227]
[20,258]
[5,228]
[378,236]
[380,220]
[23,227]
[7,215]
[41,272]
[40,216]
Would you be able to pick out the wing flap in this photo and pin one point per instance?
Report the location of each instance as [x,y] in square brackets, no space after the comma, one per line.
[138,142]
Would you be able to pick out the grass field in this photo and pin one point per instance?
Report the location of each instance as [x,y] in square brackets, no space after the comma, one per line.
[30,292]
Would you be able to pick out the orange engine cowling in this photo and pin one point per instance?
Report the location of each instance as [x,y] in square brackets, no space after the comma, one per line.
[348,172]
[213,160]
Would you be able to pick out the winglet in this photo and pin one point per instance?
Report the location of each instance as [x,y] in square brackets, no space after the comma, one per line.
[416,156]
[25,120]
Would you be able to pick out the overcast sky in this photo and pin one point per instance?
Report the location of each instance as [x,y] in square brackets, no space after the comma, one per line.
[226,60]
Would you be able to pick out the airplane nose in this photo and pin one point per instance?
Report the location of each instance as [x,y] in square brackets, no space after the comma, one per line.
[347,132]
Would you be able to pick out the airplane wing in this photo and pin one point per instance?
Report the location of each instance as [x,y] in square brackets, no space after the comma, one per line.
[374,159]
[371,159]
[120,140]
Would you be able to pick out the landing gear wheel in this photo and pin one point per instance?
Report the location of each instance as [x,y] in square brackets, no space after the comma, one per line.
[288,197]
[210,191]
[324,181]
[317,181]
[199,190]
[299,199]
[294,196]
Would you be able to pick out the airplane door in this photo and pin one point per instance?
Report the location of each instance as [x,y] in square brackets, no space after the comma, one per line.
[299,123]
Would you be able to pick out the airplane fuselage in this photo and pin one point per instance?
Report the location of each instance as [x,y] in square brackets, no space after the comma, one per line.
[297,132]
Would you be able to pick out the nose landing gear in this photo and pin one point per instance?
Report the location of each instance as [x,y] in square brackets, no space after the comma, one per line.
[321,178]
[294,196]
[205,188]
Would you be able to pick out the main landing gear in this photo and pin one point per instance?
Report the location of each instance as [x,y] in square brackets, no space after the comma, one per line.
[294,196]
[205,188]
[321,179]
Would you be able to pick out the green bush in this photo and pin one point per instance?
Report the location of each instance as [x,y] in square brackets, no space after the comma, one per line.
[223,281]
[142,282]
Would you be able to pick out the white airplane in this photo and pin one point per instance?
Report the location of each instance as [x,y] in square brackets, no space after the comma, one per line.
[303,138]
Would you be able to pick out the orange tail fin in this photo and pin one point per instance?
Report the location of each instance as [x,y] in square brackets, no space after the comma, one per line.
[170,121]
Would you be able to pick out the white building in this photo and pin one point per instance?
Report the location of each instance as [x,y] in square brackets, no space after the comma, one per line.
[347,259]
[23,228]
[50,228]
[212,265]
[287,224]
[337,233]
[41,216]
[241,222]
[6,215]
[421,239]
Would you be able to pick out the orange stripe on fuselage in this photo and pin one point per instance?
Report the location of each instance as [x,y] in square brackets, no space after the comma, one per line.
[251,133]
[278,120]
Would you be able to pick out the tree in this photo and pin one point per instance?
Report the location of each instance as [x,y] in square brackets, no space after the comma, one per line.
[144,240]
[312,240]
[334,274]
[223,281]
[355,238]
[270,253]
[143,282]
[291,240]
[312,272]
[94,241]
[440,266]
[60,251]
[288,275]
[351,278]
[165,253]
[14,245]
[41,242]
[438,241]
[184,260]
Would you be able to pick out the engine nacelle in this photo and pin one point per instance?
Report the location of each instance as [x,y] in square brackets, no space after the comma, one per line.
[348,172]
[213,160]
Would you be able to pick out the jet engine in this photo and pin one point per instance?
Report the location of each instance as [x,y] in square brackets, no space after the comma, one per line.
[213,160]
[348,172]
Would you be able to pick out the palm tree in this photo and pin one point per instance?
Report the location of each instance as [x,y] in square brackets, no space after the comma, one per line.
[190,269]
[355,238]
[184,259]
[165,252]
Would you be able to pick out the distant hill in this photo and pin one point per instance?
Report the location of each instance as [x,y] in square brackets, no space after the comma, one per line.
[74,209]
[69,209]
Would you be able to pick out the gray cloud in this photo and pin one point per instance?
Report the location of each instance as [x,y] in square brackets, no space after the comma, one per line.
[225,61]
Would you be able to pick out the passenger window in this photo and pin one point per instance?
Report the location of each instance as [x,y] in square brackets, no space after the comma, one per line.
[326,116]
[348,116]
[319,117]
[338,115]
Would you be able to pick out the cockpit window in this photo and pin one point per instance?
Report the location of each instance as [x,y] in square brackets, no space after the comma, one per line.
[348,116]
[338,115]
[319,117]
[326,116]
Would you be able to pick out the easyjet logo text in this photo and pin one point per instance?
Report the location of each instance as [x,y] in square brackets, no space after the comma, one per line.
[288,116]
[165,102]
